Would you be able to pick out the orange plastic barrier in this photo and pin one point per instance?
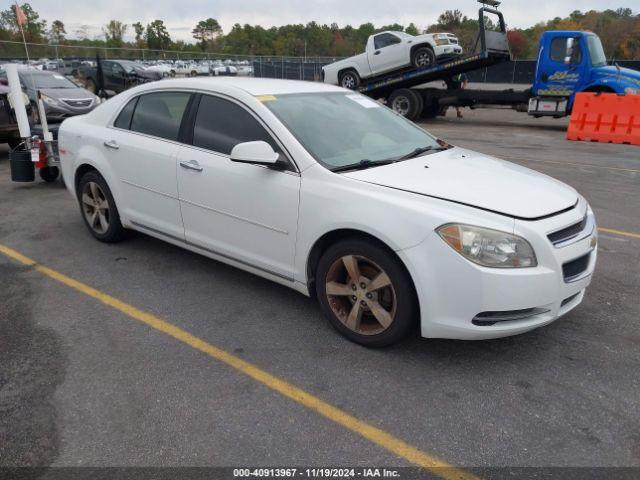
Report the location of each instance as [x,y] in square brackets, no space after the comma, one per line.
[605,117]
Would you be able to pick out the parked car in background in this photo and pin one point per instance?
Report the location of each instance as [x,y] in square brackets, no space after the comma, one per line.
[70,67]
[118,75]
[53,65]
[61,97]
[387,51]
[190,69]
[335,195]
[224,71]
[162,68]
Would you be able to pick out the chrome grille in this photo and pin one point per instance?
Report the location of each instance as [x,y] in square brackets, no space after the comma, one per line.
[78,103]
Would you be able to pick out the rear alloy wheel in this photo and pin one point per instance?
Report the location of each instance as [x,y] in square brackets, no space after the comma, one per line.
[365,293]
[99,209]
[423,57]
[349,80]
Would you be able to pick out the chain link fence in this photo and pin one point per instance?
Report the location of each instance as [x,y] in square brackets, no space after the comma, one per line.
[286,67]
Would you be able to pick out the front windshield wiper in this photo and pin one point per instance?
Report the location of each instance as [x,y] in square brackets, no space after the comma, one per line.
[362,165]
[419,151]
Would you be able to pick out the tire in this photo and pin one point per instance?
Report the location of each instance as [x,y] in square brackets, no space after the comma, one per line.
[113,231]
[91,85]
[194,73]
[406,102]
[423,57]
[349,79]
[350,310]
[49,174]
[172,73]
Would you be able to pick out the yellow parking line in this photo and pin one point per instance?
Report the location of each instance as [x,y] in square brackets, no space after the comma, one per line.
[619,232]
[342,418]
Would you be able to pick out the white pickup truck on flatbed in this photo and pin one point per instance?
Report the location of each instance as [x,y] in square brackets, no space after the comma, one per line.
[388,51]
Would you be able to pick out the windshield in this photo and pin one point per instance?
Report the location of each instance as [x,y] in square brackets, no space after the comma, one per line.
[596,52]
[40,80]
[341,129]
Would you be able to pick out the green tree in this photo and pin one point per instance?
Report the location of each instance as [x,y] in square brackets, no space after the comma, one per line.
[138,28]
[57,32]
[34,29]
[206,31]
[157,36]
[114,32]
[412,29]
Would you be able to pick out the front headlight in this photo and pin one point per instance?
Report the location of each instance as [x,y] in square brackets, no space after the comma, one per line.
[487,247]
[49,100]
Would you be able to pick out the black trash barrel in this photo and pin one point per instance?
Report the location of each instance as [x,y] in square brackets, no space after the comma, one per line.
[22,168]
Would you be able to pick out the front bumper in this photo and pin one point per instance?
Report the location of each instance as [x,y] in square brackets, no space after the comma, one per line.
[447,51]
[453,291]
[60,112]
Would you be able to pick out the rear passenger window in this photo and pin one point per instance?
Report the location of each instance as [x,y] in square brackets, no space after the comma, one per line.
[160,114]
[220,125]
[124,119]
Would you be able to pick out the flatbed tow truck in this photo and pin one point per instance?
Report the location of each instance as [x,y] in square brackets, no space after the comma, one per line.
[568,62]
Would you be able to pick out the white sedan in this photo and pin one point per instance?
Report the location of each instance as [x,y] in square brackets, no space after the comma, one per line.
[334,195]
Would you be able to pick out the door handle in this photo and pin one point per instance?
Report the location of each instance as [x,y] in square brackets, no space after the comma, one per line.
[112,144]
[191,165]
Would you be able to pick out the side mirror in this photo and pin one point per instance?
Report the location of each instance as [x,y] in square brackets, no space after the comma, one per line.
[257,153]
[568,56]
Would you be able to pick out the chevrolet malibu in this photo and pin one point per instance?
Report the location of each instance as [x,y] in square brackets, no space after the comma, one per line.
[334,195]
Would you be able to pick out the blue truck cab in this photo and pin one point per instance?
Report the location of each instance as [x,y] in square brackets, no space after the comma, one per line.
[570,62]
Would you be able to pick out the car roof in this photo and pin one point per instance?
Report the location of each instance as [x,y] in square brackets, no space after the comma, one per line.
[252,86]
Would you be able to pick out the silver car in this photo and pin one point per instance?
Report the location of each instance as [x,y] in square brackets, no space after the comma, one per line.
[62,98]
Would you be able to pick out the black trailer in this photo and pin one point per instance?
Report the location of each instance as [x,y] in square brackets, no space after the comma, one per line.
[402,92]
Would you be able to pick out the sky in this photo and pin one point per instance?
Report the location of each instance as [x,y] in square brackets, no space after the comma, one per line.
[181,15]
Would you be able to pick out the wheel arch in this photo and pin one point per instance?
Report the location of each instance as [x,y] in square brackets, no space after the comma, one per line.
[83,169]
[333,236]
[349,68]
[420,45]
[599,88]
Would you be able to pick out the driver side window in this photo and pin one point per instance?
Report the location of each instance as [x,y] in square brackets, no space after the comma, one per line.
[384,40]
[220,125]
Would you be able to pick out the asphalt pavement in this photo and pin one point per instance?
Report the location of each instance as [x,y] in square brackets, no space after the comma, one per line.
[85,384]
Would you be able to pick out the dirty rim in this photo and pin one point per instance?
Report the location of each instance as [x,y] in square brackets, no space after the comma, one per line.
[401,105]
[95,207]
[423,59]
[349,81]
[361,295]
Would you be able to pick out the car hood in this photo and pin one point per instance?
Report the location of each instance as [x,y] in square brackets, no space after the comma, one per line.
[476,180]
[75,93]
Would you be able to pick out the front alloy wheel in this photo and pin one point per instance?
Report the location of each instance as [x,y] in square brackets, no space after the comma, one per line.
[361,295]
[366,293]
